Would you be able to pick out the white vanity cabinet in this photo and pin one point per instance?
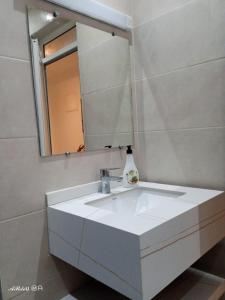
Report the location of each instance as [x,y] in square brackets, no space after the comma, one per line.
[136,241]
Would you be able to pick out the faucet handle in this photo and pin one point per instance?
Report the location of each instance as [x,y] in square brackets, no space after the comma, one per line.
[105,172]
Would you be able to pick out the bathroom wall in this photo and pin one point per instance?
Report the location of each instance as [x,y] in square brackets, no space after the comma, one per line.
[122,5]
[25,177]
[105,74]
[180,96]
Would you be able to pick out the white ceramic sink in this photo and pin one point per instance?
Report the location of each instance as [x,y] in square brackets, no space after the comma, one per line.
[137,201]
[136,241]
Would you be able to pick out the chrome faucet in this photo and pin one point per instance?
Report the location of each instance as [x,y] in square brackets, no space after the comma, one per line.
[106,178]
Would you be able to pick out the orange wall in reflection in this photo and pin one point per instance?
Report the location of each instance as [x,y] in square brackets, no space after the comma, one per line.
[64,104]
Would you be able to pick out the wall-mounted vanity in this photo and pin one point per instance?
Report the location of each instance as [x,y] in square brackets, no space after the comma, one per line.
[136,241]
[82,81]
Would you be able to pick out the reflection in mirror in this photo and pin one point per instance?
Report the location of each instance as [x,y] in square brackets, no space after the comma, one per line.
[82,85]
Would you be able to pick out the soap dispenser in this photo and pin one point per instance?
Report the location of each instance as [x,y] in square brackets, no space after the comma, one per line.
[130,173]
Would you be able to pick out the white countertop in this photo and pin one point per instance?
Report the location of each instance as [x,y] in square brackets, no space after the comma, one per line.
[141,223]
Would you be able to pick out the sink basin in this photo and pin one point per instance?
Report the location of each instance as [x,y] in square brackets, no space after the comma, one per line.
[138,201]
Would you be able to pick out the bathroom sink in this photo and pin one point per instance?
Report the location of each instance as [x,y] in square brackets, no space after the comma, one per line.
[138,201]
[138,240]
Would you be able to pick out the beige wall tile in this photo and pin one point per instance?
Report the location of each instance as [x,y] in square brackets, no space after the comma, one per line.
[145,10]
[17,107]
[122,5]
[24,257]
[13,31]
[25,177]
[185,157]
[188,98]
[186,36]
[108,111]
[105,70]
[56,289]
[89,37]
[105,66]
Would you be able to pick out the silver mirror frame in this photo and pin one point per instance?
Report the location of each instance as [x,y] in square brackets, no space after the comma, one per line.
[45,147]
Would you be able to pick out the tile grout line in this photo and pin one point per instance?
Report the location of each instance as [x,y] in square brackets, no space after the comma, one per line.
[19,137]
[3,221]
[85,52]
[110,134]
[14,58]
[112,87]
[153,19]
[179,69]
[180,129]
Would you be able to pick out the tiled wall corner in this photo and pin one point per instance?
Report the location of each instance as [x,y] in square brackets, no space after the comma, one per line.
[180,97]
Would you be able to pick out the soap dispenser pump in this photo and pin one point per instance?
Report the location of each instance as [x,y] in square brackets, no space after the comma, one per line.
[130,173]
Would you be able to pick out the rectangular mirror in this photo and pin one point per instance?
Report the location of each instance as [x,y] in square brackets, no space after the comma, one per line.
[82,81]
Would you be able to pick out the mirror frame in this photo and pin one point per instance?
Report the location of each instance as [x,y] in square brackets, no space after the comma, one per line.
[37,78]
